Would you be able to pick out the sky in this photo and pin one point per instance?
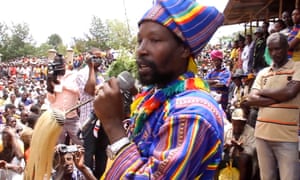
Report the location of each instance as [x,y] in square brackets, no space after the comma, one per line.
[73,18]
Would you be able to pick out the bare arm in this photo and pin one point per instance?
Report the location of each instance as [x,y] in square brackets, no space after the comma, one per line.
[91,82]
[256,99]
[14,142]
[283,94]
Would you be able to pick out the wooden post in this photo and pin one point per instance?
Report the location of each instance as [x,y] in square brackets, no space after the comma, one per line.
[280,9]
[251,31]
[297,4]
[51,54]
[70,54]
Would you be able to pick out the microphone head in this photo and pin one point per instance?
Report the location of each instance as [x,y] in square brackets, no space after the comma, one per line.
[126,81]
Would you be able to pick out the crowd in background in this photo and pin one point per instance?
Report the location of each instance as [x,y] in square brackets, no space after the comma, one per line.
[23,87]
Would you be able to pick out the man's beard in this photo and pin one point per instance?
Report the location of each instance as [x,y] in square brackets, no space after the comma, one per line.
[155,77]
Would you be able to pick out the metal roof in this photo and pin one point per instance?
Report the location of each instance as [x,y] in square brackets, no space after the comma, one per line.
[244,11]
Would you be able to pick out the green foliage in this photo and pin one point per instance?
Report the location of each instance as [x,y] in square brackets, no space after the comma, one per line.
[124,62]
[80,45]
[15,41]
[42,50]
[54,40]
[99,33]
[119,35]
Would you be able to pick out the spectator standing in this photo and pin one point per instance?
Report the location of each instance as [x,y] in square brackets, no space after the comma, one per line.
[247,54]
[219,78]
[63,94]
[286,17]
[259,51]
[276,93]
[294,37]
[87,79]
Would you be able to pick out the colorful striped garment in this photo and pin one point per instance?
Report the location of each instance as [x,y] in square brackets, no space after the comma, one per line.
[224,76]
[291,36]
[182,138]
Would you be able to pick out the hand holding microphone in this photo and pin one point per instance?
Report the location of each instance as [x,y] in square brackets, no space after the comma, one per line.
[109,104]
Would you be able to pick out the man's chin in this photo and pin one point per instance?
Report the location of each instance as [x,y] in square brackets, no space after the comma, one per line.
[146,82]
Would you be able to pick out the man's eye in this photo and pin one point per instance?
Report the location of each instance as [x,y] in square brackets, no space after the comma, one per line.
[139,41]
[155,40]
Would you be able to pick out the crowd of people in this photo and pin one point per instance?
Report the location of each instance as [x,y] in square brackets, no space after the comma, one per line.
[187,120]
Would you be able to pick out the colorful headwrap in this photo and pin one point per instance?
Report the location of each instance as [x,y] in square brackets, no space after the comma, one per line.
[194,24]
[216,54]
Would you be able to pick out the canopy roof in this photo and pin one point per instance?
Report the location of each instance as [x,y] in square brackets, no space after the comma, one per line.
[244,11]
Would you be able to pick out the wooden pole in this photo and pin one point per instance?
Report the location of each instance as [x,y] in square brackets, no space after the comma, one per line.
[280,9]
[296,4]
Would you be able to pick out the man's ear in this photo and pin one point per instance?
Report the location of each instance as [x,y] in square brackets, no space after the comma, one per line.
[186,52]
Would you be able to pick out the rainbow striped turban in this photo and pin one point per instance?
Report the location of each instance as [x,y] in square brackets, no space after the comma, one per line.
[194,24]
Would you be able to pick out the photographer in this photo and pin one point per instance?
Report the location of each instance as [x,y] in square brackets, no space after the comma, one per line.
[95,139]
[69,164]
[63,94]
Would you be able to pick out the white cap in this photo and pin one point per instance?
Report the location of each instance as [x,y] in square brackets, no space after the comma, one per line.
[238,114]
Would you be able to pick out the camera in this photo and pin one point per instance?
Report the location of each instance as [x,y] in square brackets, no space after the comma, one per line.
[57,67]
[95,59]
[67,149]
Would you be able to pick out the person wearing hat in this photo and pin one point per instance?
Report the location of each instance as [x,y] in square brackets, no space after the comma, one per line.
[176,127]
[239,144]
[237,92]
[219,78]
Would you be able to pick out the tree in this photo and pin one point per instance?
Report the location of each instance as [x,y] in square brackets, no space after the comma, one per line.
[42,50]
[54,40]
[20,42]
[80,45]
[119,35]
[124,62]
[3,40]
[99,34]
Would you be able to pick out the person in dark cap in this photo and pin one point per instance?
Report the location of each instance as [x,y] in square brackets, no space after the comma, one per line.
[237,92]
[176,127]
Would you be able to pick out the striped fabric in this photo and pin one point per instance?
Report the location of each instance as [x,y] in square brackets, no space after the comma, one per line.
[291,36]
[193,23]
[224,76]
[182,139]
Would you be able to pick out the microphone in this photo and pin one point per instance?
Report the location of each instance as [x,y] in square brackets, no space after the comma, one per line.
[125,81]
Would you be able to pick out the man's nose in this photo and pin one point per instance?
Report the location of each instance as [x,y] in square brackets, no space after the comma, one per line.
[142,47]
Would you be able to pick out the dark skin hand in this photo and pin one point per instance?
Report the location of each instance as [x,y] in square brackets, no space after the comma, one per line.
[79,163]
[255,99]
[91,82]
[108,106]
[2,164]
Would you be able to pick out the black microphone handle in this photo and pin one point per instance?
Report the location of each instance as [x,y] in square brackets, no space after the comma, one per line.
[91,119]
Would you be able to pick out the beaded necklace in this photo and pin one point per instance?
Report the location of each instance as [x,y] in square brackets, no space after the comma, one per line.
[150,100]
